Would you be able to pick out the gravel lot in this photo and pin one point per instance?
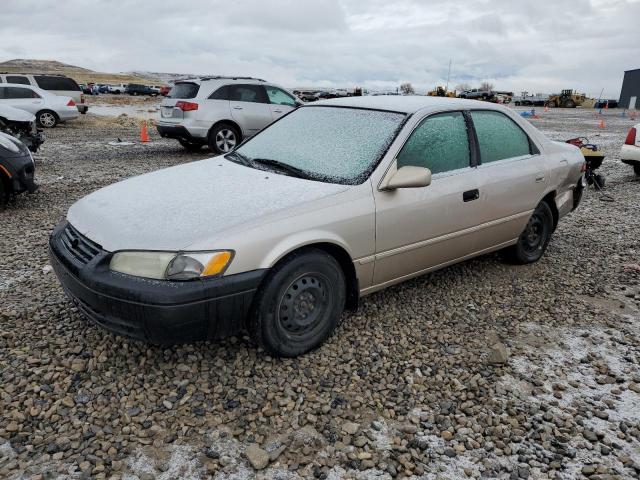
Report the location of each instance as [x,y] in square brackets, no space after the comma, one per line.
[479,370]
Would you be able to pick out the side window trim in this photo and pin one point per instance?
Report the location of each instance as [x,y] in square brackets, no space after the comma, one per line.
[533,148]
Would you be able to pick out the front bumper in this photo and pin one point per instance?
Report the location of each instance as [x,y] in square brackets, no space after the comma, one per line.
[21,170]
[159,312]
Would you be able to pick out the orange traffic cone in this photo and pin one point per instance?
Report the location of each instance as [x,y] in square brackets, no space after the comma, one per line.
[601,126]
[546,109]
[606,105]
[144,134]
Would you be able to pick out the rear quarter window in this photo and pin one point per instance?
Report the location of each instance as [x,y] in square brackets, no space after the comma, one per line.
[220,94]
[184,90]
[56,83]
[499,137]
[21,79]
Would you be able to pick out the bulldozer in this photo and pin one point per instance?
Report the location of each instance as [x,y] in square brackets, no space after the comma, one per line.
[566,99]
[441,92]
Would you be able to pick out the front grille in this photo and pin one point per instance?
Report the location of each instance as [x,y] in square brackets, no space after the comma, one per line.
[79,246]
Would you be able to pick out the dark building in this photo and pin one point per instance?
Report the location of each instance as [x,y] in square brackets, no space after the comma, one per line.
[630,90]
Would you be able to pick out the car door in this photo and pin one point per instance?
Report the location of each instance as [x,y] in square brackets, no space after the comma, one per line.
[22,98]
[249,108]
[418,229]
[280,101]
[513,176]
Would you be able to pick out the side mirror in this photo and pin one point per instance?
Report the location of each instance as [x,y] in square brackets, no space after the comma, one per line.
[409,177]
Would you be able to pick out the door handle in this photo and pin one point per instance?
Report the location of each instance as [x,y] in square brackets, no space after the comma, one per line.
[471,195]
[237,108]
[540,179]
[277,111]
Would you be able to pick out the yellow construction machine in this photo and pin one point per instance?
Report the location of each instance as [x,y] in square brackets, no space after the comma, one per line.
[441,92]
[566,99]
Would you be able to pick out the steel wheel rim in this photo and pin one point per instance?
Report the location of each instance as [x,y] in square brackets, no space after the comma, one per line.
[534,234]
[303,305]
[226,140]
[47,119]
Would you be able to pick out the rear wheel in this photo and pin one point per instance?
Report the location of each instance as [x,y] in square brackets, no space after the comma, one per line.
[47,119]
[191,146]
[299,304]
[534,239]
[223,138]
[569,104]
[4,193]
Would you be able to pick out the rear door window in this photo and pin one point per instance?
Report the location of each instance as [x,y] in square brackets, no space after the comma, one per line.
[440,143]
[17,92]
[220,94]
[18,79]
[499,137]
[248,93]
[47,82]
[184,90]
[280,97]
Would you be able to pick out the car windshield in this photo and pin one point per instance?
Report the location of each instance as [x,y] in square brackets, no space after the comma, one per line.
[329,144]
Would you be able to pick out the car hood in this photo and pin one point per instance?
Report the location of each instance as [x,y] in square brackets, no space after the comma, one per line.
[15,114]
[176,207]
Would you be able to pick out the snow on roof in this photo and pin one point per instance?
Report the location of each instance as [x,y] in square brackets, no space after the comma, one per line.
[405,104]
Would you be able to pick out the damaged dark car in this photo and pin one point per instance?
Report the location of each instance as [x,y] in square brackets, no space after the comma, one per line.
[17,168]
[21,125]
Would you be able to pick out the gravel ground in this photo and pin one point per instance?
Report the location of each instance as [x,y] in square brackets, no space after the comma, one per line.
[481,370]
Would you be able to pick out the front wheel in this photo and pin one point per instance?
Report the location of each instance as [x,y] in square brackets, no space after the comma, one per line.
[46,119]
[299,304]
[534,239]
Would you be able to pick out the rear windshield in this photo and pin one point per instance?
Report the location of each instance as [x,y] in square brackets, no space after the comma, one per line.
[56,83]
[184,90]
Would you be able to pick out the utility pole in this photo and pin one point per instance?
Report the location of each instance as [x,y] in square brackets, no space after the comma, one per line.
[446,89]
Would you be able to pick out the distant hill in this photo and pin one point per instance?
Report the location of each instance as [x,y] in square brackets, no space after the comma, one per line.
[79,74]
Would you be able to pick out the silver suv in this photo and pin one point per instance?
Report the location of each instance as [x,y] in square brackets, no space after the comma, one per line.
[221,111]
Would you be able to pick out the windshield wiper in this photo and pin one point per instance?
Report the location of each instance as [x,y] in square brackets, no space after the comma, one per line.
[283,167]
[238,158]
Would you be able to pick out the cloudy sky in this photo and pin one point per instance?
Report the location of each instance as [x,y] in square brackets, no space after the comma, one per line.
[537,46]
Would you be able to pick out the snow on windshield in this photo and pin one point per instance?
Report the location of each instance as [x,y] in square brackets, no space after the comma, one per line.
[340,145]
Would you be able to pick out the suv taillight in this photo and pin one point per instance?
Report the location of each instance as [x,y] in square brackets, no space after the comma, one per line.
[631,137]
[186,106]
[81,98]
[71,103]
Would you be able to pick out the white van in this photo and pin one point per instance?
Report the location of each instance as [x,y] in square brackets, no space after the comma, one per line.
[56,84]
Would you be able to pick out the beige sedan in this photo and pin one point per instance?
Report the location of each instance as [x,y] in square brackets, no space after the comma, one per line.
[334,201]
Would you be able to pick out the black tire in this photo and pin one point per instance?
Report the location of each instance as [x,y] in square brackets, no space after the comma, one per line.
[599,181]
[636,169]
[534,240]
[191,146]
[223,138]
[299,304]
[47,119]
[569,104]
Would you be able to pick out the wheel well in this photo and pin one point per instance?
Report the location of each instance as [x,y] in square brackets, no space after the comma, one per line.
[345,262]
[228,122]
[550,199]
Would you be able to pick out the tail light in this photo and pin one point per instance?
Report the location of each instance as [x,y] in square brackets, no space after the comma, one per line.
[186,106]
[583,168]
[71,103]
[81,98]
[631,137]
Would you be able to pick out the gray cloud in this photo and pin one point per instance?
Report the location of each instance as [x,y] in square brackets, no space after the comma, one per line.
[515,45]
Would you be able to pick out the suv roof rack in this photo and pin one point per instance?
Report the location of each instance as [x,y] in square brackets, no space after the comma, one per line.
[35,73]
[220,77]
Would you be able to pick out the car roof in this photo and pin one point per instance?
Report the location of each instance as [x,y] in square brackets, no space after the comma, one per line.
[407,104]
[202,80]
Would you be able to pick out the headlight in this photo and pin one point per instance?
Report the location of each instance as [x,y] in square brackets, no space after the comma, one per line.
[171,265]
